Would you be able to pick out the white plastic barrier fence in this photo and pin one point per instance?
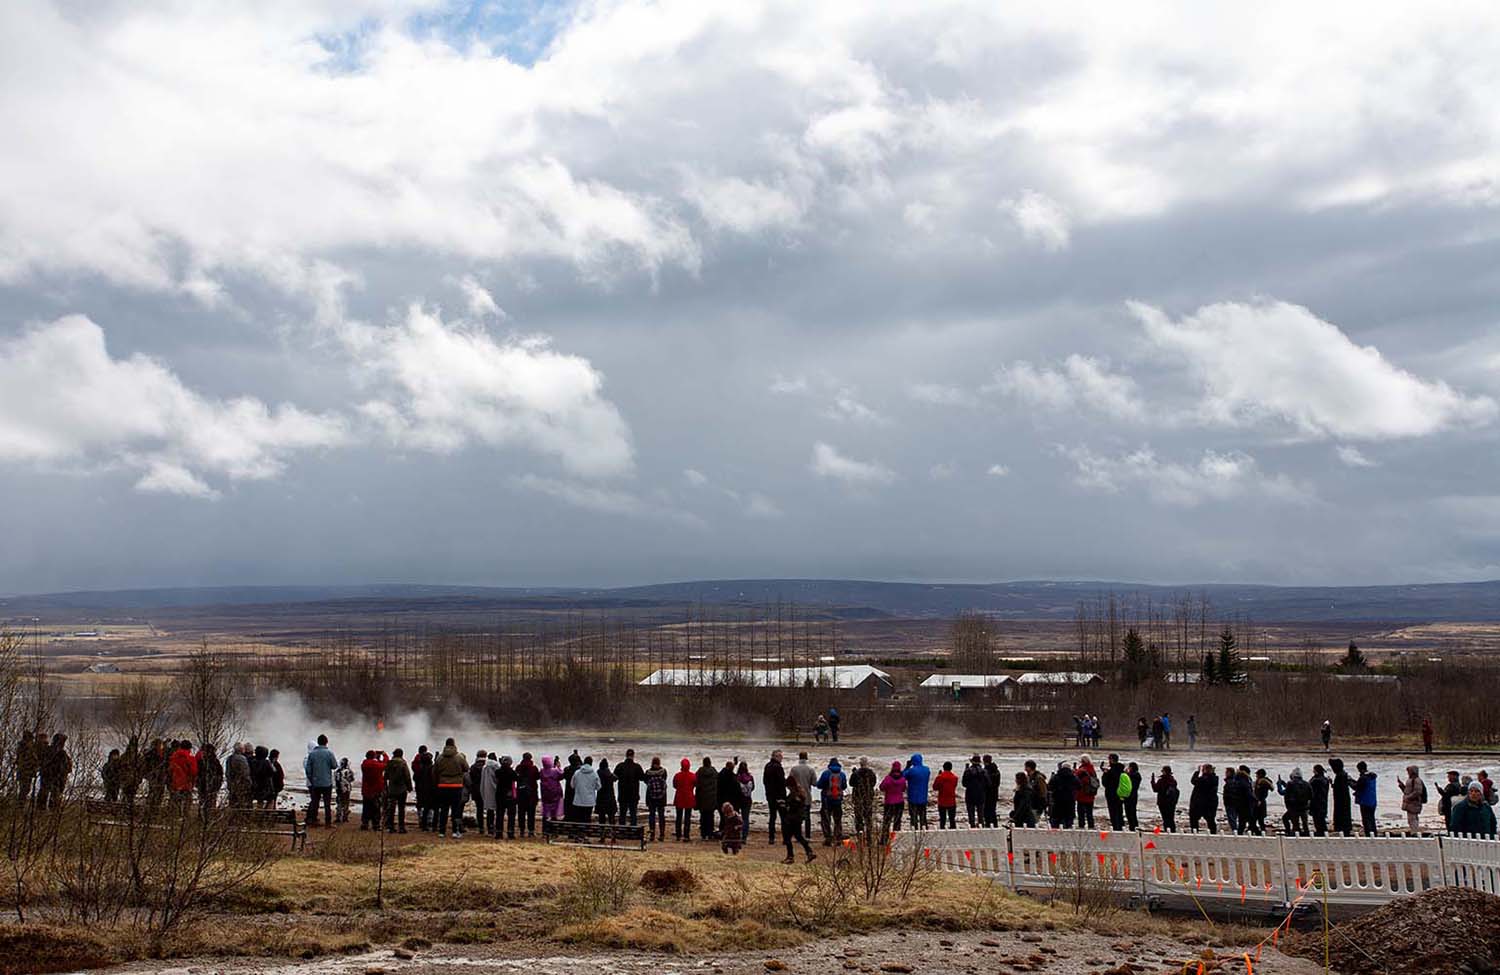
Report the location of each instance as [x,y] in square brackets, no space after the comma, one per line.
[1360,870]
[1243,869]
[1251,870]
[1469,861]
[1067,858]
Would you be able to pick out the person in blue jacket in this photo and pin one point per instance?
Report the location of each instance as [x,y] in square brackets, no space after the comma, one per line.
[318,767]
[832,784]
[1364,797]
[917,777]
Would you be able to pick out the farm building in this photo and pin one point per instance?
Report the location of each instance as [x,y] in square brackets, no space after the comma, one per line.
[854,678]
[1047,682]
[966,687]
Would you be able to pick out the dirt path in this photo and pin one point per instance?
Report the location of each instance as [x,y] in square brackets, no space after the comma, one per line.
[888,953]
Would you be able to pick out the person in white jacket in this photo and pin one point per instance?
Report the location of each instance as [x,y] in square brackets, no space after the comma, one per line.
[585,791]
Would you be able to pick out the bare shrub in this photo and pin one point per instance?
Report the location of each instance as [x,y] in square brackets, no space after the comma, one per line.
[602,884]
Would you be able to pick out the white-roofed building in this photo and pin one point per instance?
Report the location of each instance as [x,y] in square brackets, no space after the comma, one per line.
[854,677]
[1053,681]
[966,687]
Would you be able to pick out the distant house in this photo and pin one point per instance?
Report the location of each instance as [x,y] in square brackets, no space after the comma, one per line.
[966,687]
[852,678]
[1049,682]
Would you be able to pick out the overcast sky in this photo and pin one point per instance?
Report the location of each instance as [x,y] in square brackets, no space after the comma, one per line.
[518,293]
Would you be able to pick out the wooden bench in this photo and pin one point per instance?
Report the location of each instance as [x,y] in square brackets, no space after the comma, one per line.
[596,835]
[275,822]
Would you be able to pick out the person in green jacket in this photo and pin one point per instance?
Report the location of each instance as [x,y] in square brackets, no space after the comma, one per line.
[1473,816]
[448,773]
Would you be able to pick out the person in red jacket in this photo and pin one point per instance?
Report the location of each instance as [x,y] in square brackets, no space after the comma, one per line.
[946,786]
[685,800]
[371,789]
[182,771]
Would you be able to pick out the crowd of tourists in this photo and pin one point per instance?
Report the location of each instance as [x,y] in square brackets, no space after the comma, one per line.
[714,801]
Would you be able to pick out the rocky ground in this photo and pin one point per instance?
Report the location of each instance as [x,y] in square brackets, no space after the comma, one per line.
[889,953]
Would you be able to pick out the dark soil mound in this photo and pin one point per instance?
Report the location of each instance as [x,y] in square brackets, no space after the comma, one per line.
[676,880]
[1449,931]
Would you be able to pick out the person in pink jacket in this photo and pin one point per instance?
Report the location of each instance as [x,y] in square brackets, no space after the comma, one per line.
[893,789]
[552,790]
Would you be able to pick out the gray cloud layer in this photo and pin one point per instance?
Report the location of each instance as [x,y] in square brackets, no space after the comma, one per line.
[338,292]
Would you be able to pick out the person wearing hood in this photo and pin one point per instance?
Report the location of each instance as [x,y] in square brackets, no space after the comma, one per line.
[655,779]
[605,807]
[1342,789]
[974,784]
[946,787]
[236,774]
[706,793]
[550,788]
[528,792]
[484,786]
[1296,795]
[210,778]
[448,772]
[505,798]
[474,782]
[1413,798]
[318,768]
[862,784]
[798,801]
[893,798]
[1472,816]
[1167,792]
[684,800]
[397,788]
[263,790]
[1364,796]
[1062,788]
[423,783]
[184,766]
[372,789]
[804,774]
[1203,801]
[628,777]
[918,778]
[586,786]
[728,787]
[773,782]
[831,786]
[1318,809]
[343,790]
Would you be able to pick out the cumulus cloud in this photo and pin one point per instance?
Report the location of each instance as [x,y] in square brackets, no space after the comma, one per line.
[828,463]
[1082,381]
[694,477]
[65,400]
[1352,456]
[1214,477]
[1041,220]
[998,470]
[846,407]
[447,385]
[1274,361]
[481,303]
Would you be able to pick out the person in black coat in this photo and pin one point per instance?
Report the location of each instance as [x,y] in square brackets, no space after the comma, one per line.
[773,782]
[974,785]
[1343,794]
[1133,773]
[1239,795]
[1167,795]
[1109,781]
[729,788]
[991,792]
[262,788]
[1319,806]
[1062,788]
[628,778]
[505,799]
[604,805]
[1203,801]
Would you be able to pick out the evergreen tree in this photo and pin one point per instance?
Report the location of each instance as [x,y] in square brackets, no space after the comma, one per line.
[1230,669]
[1354,659]
[1137,658]
[1210,673]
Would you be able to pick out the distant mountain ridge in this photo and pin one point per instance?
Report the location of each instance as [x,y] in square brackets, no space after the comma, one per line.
[1038,600]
